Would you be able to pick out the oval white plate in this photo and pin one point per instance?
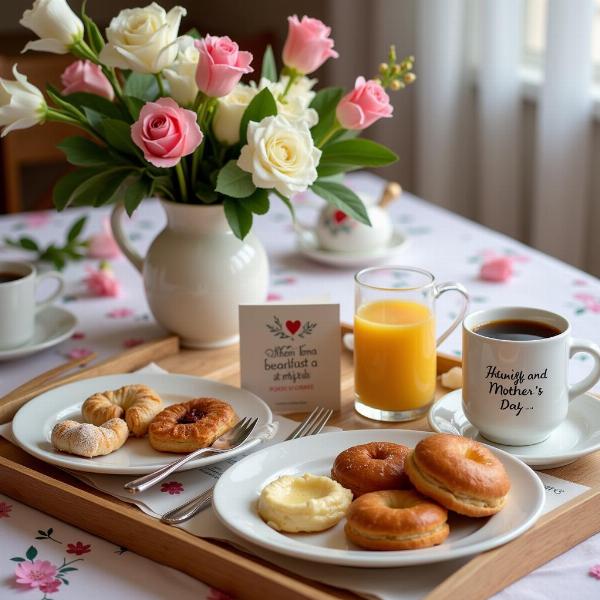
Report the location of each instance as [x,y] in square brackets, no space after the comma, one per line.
[237,491]
[33,423]
[52,326]
[308,245]
[577,435]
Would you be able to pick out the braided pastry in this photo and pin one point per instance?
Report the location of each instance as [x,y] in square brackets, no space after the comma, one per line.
[139,403]
[85,439]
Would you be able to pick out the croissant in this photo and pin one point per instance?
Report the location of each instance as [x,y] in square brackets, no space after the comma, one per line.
[139,403]
[85,439]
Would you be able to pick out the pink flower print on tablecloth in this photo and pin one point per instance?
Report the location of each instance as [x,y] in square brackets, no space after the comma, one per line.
[5,509]
[595,571]
[132,342]
[51,587]
[274,297]
[497,270]
[102,281]
[35,573]
[590,303]
[78,548]
[35,220]
[76,353]
[171,487]
[119,313]
[78,335]
[103,244]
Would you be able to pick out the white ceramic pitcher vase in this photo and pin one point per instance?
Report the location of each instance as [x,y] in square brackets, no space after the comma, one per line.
[196,273]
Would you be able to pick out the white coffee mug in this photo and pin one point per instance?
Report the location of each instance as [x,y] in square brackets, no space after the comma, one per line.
[516,392]
[18,304]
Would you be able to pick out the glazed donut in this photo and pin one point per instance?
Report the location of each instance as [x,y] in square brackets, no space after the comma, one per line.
[372,467]
[139,403]
[459,473]
[396,520]
[191,425]
[85,439]
[303,503]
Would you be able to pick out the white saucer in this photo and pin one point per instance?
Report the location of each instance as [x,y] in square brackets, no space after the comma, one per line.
[577,436]
[53,325]
[309,247]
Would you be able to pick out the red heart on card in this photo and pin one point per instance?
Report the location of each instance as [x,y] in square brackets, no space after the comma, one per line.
[339,216]
[293,326]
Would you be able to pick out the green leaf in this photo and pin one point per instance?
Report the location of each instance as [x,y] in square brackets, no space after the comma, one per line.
[100,187]
[287,202]
[98,103]
[94,37]
[325,103]
[238,217]
[257,202]
[50,530]
[67,184]
[262,105]
[357,153]
[61,100]
[17,559]
[342,197]
[68,569]
[269,68]
[135,106]
[162,185]
[72,235]
[82,152]
[118,134]
[141,85]
[205,193]
[234,182]
[94,118]
[28,244]
[31,553]
[194,33]
[135,192]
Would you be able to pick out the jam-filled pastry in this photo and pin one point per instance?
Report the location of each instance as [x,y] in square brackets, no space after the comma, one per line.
[191,425]
[85,439]
[137,404]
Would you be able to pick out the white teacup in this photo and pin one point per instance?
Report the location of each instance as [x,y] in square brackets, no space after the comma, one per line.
[18,305]
[516,391]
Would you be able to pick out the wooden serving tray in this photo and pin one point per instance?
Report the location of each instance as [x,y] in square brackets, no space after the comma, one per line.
[54,492]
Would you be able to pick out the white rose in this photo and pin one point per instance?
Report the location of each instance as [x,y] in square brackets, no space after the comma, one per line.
[280,154]
[143,39]
[22,105]
[228,115]
[181,75]
[57,26]
[295,104]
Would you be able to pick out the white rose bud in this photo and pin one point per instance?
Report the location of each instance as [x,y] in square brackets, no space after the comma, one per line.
[143,39]
[181,75]
[295,104]
[229,112]
[280,154]
[57,26]
[22,105]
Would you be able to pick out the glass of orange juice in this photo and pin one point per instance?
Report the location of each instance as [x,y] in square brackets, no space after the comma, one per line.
[395,341]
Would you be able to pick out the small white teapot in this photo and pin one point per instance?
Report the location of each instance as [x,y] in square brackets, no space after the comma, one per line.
[338,232]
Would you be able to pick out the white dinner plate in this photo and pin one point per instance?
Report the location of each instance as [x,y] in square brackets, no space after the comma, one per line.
[237,491]
[576,436]
[52,326]
[33,423]
[309,247]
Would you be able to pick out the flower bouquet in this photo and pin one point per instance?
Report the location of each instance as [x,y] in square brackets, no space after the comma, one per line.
[168,116]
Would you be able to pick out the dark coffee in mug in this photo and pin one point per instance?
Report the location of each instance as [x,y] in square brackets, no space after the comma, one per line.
[517,330]
[7,277]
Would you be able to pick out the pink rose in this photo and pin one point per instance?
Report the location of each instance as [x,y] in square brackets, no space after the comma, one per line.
[103,245]
[85,76]
[50,587]
[102,282]
[364,105]
[220,66]
[36,573]
[308,44]
[496,269]
[165,132]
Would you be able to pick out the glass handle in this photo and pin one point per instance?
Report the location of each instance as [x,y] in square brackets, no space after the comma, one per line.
[451,286]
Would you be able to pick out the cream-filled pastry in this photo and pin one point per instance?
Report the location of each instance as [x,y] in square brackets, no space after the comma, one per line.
[303,503]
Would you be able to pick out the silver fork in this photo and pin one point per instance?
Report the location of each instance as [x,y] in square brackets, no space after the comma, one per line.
[312,425]
[228,441]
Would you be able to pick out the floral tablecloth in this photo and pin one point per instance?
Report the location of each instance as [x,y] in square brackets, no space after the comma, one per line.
[37,552]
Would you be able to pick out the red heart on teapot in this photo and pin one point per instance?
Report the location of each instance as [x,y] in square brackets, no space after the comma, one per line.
[293,326]
[339,216]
